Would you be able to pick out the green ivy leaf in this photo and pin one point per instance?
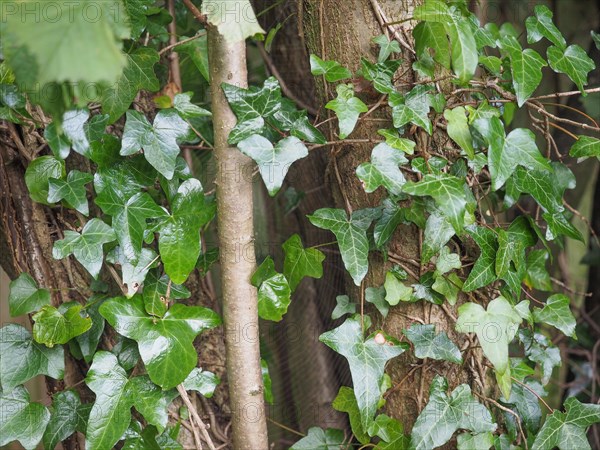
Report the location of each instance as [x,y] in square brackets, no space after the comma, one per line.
[273,162]
[301,262]
[88,341]
[447,191]
[169,364]
[383,170]
[585,147]
[345,401]
[445,414]
[182,103]
[367,360]
[37,176]
[137,75]
[596,39]
[58,326]
[21,420]
[458,130]
[64,418]
[526,68]
[412,108]
[380,74]
[197,50]
[332,70]
[447,261]
[58,142]
[179,241]
[133,275]
[484,270]
[557,312]
[267,382]
[151,401]
[572,61]
[395,290]
[391,433]
[391,216]
[347,108]
[111,412]
[23,358]
[539,349]
[393,139]
[343,306]
[233,28]
[273,291]
[527,403]
[70,48]
[433,35]
[72,190]
[568,430]
[155,293]
[159,141]
[542,26]
[495,327]
[351,236]
[129,222]
[202,381]
[288,118]
[87,246]
[25,296]
[319,439]
[251,106]
[480,441]
[376,296]
[429,345]
[438,231]
[449,286]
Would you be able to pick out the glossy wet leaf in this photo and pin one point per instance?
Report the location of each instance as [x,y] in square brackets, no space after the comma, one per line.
[72,190]
[151,401]
[137,75]
[23,358]
[347,108]
[444,414]
[393,139]
[133,275]
[169,364]
[319,439]
[572,61]
[367,360]
[58,326]
[432,35]
[63,418]
[155,293]
[300,262]
[21,420]
[557,312]
[87,246]
[159,141]
[391,216]
[88,341]
[273,161]
[332,70]
[585,147]
[428,344]
[37,176]
[273,291]
[179,241]
[383,169]
[413,108]
[25,296]
[202,381]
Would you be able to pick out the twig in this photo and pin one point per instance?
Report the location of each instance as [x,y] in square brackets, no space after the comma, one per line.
[186,399]
[534,393]
[565,94]
[347,141]
[183,41]
[195,11]
[382,19]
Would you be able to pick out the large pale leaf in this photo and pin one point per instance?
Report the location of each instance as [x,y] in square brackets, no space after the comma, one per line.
[234,27]
[21,420]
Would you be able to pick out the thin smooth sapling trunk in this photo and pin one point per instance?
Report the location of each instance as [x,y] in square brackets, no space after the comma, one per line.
[236,239]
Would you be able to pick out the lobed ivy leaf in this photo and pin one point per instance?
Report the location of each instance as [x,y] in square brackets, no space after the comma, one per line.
[63,419]
[495,327]
[412,108]
[58,142]
[438,231]
[449,286]
[396,291]
[182,103]
[159,141]
[133,275]
[526,68]
[347,108]
[557,312]
[233,30]
[319,439]
[273,291]
[351,235]
[25,296]
[21,420]
[367,359]
[527,403]
[484,270]
[568,430]
[300,262]
[88,341]
[376,296]
[458,129]
[542,26]
[393,139]
[288,118]
[479,441]
[383,170]
[444,414]
[345,401]
[179,240]
[171,362]
[197,50]
[38,175]
[137,75]
[391,433]
[138,10]
[381,74]
[432,35]
[446,261]
[87,246]
[155,293]
[58,326]
[343,306]
[23,358]
[539,349]
[430,345]
[202,381]
[273,161]
[150,400]
[572,61]
[332,70]
[585,147]
[391,216]
[72,190]
[267,382]
[447,191]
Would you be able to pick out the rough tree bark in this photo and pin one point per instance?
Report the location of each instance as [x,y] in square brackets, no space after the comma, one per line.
[236,244]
